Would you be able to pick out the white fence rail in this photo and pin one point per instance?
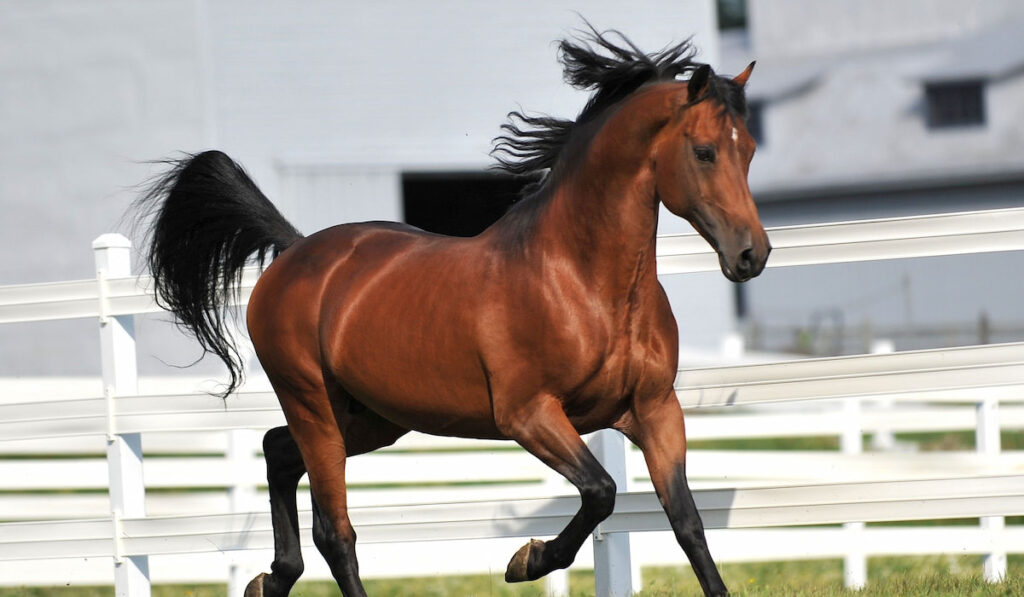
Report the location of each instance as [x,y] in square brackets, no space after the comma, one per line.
[948,389]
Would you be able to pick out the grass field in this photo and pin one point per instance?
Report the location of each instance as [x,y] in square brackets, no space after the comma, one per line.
[938,576]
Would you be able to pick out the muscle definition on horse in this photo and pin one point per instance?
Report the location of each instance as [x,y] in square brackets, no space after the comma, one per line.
[549,324]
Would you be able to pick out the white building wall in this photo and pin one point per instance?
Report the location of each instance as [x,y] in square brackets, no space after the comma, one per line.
[404,85]
[325,102]
[89,91]
[328,103]
[320,196]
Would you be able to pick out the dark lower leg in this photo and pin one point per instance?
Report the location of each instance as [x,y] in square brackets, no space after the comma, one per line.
[546,432]
[339,550]
[284,469]
[537,558]
[689,532]
[365,431]
[656,426]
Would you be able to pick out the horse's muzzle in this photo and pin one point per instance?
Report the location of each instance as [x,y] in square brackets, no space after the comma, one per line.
[745,262]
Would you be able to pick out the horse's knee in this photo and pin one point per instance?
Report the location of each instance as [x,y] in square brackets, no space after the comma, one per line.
[284,460]
[280,449]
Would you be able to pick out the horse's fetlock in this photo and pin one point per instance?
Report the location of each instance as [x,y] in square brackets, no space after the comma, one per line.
[288,568]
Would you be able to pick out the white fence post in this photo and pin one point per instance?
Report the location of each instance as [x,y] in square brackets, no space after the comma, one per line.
[243,445]
[124,451]
[988,442]
[556,583]
[883,438]
[855,563]
[612,567]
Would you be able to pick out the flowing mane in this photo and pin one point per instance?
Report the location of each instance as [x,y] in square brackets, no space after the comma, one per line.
[614,67]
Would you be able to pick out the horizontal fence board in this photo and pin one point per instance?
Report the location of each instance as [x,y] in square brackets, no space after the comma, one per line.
[49,301]
[950,373]
[702,424]
[959,374]
[864,240]
[723,508]
[81,298]
[892,238]
[514,467]
[140,414]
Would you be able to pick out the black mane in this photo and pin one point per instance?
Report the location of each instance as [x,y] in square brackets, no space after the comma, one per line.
[611,65]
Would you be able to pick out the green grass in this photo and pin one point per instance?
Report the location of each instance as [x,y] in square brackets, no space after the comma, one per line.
[767,443]
[933,576]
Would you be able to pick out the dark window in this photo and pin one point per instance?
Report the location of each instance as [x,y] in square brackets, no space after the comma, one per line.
[957,103]
[458,204]
[755,121]
[732,14]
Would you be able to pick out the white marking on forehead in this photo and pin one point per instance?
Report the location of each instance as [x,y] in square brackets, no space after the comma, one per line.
[735,135]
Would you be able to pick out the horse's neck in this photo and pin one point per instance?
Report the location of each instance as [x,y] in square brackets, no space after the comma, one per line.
[607,208]
[602,217]
[604,222]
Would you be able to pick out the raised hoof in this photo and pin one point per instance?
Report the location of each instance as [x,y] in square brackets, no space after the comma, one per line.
[255,586]
[517,566]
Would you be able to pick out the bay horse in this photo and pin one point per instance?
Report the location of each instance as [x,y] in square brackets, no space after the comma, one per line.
[549,324]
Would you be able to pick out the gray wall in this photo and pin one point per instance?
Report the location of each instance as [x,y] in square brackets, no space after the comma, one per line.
[812,27]
[844,89]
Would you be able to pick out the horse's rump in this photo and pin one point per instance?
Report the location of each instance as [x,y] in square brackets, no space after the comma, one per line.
[391,312]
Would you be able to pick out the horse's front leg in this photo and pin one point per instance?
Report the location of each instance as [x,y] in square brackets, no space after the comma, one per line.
[656,427]
[542,428]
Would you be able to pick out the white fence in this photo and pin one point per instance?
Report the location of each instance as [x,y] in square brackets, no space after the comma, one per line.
[220,527]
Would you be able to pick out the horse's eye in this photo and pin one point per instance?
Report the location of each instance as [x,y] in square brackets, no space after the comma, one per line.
[705,153]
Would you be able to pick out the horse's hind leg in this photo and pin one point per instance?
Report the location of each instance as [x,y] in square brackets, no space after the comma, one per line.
[364,432]
[316,430]
[284,469]
[657,428]
[544,430]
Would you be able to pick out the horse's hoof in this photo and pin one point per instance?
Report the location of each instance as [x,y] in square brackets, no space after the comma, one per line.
[517,566]
[255,586]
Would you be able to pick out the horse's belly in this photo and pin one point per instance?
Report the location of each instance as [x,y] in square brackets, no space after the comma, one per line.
[405,351]
[424,403]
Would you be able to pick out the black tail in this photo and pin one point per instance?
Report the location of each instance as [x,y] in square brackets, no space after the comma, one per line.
[208,220]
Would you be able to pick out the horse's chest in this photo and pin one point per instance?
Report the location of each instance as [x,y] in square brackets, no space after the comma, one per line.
[616,375]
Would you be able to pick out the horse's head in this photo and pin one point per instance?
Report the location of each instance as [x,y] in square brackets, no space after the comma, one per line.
[701,158]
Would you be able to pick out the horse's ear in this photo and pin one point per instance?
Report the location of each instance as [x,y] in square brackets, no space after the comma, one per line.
[741,79]
[698,81]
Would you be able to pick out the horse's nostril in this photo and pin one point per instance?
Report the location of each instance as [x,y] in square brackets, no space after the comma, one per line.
[745,264]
